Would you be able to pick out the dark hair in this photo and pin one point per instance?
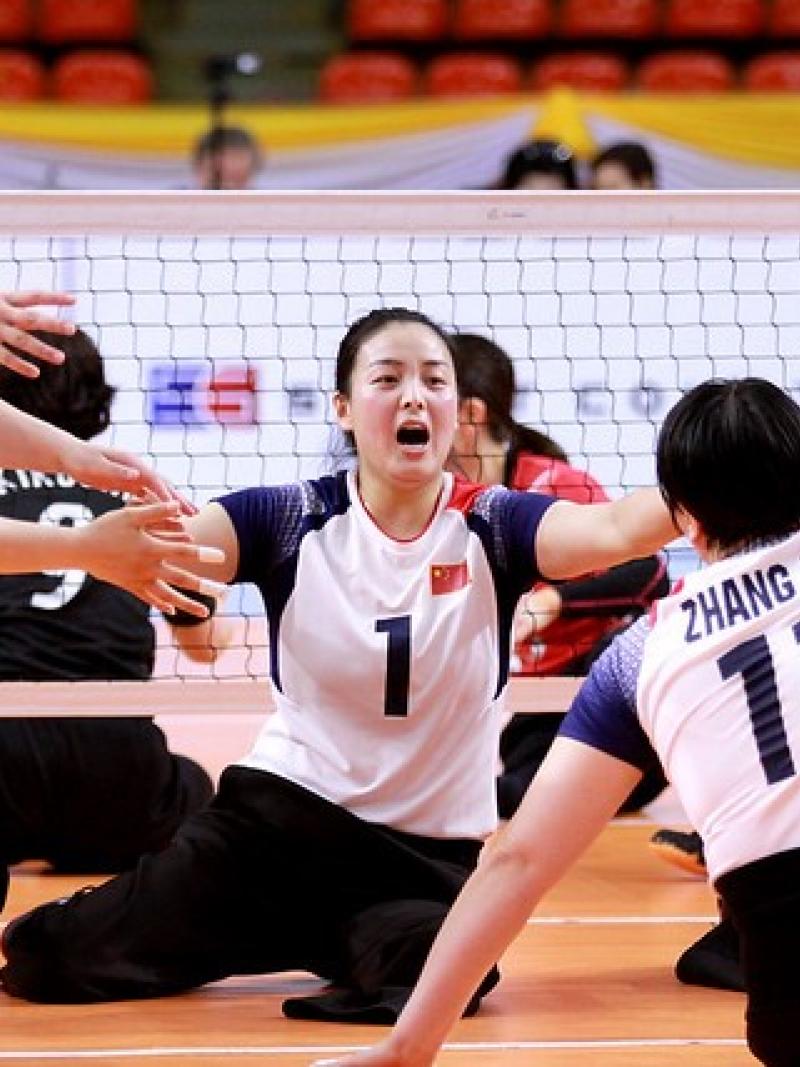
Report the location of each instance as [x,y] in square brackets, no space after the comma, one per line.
[540,157]
[218,138]
[631,156]
[729,454]
[73,396]
[484,370]
[370,324]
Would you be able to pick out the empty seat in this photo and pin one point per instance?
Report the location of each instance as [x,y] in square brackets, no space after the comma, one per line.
[16,20]
[510,19]
[610,18]
[67,21]
[466,74]
[367,77]
[102,77]
[698,72]
[784,18]
[714,18]
[22,77]
[773,72]
[410,20]
[590,71]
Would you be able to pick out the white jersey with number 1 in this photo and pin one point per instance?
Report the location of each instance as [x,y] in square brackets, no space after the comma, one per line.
[712,679]
[389,658]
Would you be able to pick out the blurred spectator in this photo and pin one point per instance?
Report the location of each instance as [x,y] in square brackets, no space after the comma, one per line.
[226,157]
[626,165]
[540,165]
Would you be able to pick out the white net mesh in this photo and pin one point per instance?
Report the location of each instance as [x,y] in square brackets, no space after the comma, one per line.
[222,345]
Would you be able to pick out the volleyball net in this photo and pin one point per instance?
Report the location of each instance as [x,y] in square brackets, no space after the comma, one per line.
[218,317]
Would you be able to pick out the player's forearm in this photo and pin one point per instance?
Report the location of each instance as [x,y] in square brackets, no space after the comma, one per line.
[492,909]
[29,547]
[643,524]
[28,442]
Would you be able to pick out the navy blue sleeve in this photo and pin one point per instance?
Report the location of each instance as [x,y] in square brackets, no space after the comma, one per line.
[523,513]
[263,519]
[603,714]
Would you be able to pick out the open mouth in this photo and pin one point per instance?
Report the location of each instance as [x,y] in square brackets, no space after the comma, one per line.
[413,435]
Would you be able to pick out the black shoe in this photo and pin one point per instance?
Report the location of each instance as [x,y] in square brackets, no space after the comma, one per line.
[713,961]
[682,848]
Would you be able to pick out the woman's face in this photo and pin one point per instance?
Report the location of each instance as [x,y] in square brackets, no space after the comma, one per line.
[403,406]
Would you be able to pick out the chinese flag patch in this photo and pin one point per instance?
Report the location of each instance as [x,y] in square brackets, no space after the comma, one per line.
[448,577]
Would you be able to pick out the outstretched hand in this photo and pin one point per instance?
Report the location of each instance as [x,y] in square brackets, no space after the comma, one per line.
[18,316]
[146,551]
[109,468]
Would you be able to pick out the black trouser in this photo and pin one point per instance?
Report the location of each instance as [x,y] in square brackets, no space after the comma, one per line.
[269,877]
[92,794]
[763,901]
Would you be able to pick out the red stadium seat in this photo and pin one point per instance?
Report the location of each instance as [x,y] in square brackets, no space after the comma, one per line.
[589,71]
[409,20]
[367,78]
[65,21]
[714,18]
[102,77]
[22,77]
[610,18]
[459,74]
[773,72]
[690,72]
[785,18]
[512,19]
[16,20]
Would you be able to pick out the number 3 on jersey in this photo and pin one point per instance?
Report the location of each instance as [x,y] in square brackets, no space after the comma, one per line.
[62,514]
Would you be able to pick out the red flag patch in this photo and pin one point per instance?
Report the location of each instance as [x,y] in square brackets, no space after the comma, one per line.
[448,577]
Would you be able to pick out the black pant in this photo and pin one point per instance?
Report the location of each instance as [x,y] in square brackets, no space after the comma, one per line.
[269,877]
[91,794]
[763,901]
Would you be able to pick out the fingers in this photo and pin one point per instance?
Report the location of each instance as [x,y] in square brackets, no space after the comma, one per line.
[18,317]
[167,599]
[36,297]
[151,486]
[188,580]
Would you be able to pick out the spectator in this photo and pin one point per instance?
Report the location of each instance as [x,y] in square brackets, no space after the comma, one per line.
[627,165]
[540,165]
[560,629]
[86,794]
[226,157]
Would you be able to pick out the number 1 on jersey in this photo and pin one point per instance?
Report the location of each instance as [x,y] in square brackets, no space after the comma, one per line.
[753,660]
[398,663]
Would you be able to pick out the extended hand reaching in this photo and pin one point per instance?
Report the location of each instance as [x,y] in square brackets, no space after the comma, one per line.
[18,317]
[146,551]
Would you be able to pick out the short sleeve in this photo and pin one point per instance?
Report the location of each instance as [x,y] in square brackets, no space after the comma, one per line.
[264,519]
[603,714]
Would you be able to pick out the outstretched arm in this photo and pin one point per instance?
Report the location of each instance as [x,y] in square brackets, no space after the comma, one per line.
[142,549]
[577,790]
[574,539]
[627,589]
[26,441]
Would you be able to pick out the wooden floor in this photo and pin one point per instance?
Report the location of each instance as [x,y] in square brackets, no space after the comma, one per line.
[589,982]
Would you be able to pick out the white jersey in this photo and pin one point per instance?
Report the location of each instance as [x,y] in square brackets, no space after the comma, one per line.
[389,658]
[714,678]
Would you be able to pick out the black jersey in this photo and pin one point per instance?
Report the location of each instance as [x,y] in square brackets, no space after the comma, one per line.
[66,624]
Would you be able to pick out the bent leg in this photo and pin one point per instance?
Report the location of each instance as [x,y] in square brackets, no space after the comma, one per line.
[180,918]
